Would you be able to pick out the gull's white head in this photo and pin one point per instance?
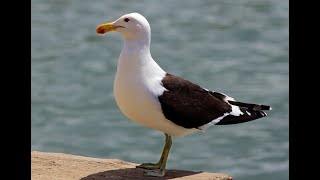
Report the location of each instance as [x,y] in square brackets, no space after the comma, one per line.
[130,26]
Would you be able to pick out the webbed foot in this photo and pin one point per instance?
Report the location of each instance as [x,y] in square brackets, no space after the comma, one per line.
[155,173]
[149,166]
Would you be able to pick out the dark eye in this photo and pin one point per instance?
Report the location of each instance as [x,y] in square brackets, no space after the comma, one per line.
[126,19]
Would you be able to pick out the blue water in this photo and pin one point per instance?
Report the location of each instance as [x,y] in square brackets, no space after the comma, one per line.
[237,47]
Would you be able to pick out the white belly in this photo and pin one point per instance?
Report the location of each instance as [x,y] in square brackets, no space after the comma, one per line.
[137,97]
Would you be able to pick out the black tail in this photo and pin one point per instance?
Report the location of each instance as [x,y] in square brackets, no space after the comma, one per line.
[250,112]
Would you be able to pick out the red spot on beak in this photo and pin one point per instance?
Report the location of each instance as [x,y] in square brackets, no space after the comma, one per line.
[100,30]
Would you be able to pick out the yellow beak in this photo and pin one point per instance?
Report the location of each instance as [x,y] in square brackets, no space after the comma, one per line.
[104,28]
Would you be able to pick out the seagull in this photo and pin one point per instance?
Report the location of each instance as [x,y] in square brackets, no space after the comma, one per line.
[162,101]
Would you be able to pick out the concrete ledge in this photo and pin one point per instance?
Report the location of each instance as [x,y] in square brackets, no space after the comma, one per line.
[59,166]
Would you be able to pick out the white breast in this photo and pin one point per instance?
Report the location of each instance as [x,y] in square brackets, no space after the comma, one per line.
[136,89]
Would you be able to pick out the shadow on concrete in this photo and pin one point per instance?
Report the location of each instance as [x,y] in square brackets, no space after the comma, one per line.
[136,173]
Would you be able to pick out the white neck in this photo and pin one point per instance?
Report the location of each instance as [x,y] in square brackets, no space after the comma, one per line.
[135,57]
[138,75]
[137,41]
[136,47]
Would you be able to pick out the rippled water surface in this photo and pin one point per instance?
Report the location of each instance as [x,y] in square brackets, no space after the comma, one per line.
[236,47]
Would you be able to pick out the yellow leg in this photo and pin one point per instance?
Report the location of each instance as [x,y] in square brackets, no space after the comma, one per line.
[158,169]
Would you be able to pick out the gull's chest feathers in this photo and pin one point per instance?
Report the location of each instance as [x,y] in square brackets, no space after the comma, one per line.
[137,86]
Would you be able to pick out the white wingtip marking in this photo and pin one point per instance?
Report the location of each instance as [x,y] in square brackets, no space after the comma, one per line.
[236,111]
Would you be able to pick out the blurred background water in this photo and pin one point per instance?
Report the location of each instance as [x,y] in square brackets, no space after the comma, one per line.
[236,47]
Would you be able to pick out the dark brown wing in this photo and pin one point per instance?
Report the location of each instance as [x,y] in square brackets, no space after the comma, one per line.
[189,105]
